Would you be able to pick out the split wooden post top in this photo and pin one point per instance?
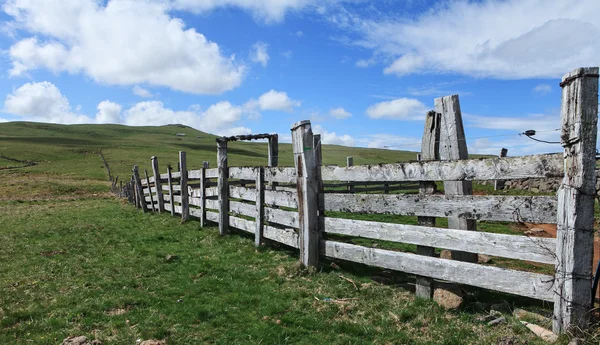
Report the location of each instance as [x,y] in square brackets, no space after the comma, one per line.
[305,161]
[575,224]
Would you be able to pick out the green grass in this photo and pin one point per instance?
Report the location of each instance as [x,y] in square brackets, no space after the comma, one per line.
[97,267]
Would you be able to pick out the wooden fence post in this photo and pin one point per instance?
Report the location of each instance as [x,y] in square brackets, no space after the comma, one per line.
[349,163]
[429,151]
[185,202]
[158,185]
[575,226]
[171,196]
[308,192]
[260,208]
[203,193]
[139,191]
[223,186]
[453,146]
[273,156]
[499,184]
[149,191]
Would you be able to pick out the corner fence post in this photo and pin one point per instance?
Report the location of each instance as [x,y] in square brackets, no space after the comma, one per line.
[158,185]
[305,159]
[453,146]
[139,192]
[575,226]
[185,202]
[429,152]
[223,186]
[203,194]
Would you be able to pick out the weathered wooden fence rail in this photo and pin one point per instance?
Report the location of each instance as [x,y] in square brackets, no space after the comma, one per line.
[290,205]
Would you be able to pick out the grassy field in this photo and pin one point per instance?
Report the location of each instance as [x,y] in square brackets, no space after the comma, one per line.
[77,261]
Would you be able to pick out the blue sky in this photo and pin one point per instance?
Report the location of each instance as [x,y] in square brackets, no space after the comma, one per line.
[364,72]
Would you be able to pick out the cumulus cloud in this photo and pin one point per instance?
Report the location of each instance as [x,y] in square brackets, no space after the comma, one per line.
[273,100]
[259,53]
[42,102]
[510,39]
[119,42]
[332,138]
[398,109]
[140,91]
[339,113]
[108,112]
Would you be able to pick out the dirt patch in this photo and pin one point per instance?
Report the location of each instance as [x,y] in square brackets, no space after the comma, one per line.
[52,253]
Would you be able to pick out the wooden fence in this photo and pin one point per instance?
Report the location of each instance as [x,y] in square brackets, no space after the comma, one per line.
[290,205]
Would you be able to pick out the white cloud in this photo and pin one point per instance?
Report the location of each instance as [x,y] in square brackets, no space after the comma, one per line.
[273,100]
[120,42]
[332,138]
[339,113]
[42,102]
[264,10]
[219,118]
[542,88]
[108,112]
[140,91]
[299,33]
[259,53]
[510,39]
[398,109]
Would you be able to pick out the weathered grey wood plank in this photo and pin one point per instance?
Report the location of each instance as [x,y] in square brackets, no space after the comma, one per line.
[242,224]
[212,204]
[305,161]
[237,208]
[280,174]
[223,187]
[185,206]
[212,216]
[549,165]
[157,184]
[534,249]
[534,209]
[272,198]
[149,192]
[286,236]
[575,230]
[285,218]
[170,188]
[520,283]
[203,194]
[243,173]
[212,191]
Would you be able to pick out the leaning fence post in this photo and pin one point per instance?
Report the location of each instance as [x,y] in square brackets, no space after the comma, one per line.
[429,152]
[499,184]
[308,192]
[575,226]
[203,193]
[223,186]
[171,196]
[139,191]
[149,191]
[185,203]
[453,146]
[349,163]
[260,208]
[158,185]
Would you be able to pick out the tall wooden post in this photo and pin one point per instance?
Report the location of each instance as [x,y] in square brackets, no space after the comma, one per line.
[260,208]
[223,187]
[149,191]
[429,152]
[203,194]
[575,226]
[273,156]
[158,185]
[453,146]
[139,191]
[185,201]
[349,163]
[308,191]
[499,184]
[171,196]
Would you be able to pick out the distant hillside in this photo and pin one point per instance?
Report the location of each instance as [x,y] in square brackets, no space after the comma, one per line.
[72,150]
